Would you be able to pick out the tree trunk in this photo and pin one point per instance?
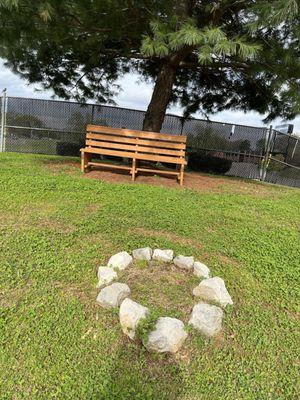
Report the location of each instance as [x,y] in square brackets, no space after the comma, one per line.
[160,97]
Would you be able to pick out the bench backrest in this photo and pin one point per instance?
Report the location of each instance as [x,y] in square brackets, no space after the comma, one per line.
[126,142]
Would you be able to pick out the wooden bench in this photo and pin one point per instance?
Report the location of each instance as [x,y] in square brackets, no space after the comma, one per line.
[135,145]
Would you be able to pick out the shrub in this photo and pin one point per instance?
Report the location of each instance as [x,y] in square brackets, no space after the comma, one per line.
[199,161]
[68,149]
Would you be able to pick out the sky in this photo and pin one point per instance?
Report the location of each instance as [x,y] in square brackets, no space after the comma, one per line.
[134,94]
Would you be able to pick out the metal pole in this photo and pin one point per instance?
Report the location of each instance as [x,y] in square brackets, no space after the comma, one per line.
[266,158]
[293,153]
[3,117]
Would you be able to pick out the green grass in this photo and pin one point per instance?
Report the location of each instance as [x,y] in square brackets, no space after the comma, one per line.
[56,227]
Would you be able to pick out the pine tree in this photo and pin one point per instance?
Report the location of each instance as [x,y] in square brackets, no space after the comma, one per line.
[204,55]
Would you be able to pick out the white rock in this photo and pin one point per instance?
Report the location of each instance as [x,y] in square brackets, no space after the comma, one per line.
[142,254]
[201,270]
[113,295]
[213,289]
[163,255]
[184,262]
[168,336]
[207,319]
[105,276]
[130,315]
[120,260]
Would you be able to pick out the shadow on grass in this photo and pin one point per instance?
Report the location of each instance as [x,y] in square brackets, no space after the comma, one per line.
[137,374]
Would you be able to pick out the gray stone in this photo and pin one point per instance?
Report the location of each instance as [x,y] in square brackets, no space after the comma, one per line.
[168,336]
[113,295]
[163,255]
[142,254]
[213,289]
[207,319]
[105,276]
[184,262]
[130,315]
[120,260]
[201,270]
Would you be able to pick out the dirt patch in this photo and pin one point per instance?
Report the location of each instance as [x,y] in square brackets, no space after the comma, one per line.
[54,225]
[167,289]
[192,180]
[10,298]
[228,261]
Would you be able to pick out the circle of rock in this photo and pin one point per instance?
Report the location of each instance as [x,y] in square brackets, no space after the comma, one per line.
[169,334]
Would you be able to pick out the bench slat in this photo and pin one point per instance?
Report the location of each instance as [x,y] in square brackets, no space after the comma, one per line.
[135,133]
[162,144]
[155,171]
[135,148]
[112,166]
[133,140]
[127,154]
[155,150]
[171,160]
[110,138]
[108,145]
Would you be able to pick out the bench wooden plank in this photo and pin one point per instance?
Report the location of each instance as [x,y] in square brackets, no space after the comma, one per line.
[118,146]
[127,154]
[136,148]
[155,171]
[107,165]
[161,144]
[136,133]
[143,142]
[155,150]
[108,152]
[110,138]
[171,160]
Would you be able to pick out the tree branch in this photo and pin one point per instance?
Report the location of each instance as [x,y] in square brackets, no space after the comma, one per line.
[195,65]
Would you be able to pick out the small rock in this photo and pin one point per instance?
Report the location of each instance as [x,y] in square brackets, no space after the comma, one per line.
[207,319]
[105,276]
[213,289]
[130,315]
[113,295]
[120,260]
[163,255]
[142,254]
[184,262]
[168,336]
[201,270]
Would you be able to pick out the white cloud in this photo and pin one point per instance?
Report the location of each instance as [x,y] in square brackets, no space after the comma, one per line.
[134,94]
[18,87]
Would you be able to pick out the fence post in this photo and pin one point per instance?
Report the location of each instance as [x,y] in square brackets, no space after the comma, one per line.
[266,159]
[3,122]
[294,150]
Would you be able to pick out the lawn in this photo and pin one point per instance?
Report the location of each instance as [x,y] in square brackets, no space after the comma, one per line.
[56,343]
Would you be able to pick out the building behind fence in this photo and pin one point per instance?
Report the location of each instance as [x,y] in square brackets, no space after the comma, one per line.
[58,128]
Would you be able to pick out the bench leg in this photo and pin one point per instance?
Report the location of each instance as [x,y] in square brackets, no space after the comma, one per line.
[133,169]
[84,161]
[181,175]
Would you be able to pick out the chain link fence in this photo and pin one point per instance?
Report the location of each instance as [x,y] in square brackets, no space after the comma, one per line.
[58,128]
[284,163]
